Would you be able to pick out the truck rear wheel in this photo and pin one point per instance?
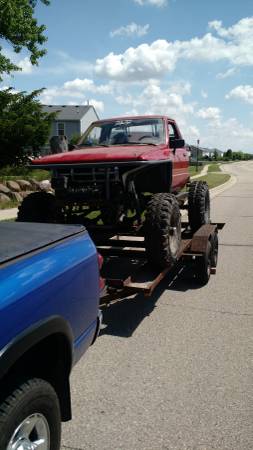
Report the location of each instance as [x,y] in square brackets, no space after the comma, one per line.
[162,230]
[198,204]
[30,417]
[37,207]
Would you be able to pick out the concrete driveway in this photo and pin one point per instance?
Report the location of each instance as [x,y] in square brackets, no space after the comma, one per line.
[175,371]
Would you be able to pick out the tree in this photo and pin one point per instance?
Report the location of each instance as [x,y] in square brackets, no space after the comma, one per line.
[228,154]
[24,127]
[20,29]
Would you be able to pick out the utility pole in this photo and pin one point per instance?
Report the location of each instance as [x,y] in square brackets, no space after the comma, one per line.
[197,155]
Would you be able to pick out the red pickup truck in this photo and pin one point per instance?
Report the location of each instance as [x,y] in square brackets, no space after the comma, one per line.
[126,172]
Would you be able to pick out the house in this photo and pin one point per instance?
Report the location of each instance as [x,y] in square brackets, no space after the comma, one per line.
[71,120]
[196,152]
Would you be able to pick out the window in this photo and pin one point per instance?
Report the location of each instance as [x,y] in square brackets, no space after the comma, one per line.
[61,128]
[173,134]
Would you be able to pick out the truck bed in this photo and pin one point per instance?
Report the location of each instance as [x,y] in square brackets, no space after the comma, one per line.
[18,239]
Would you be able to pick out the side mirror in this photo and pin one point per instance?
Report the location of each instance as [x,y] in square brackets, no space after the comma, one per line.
[177,143]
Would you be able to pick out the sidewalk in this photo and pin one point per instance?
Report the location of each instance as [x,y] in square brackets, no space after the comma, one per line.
[6,214]
[202,173]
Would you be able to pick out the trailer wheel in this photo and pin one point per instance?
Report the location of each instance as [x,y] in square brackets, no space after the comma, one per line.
[30,417]
[198,204]
[203,268]
[162,230]
[214,249]
[37,207]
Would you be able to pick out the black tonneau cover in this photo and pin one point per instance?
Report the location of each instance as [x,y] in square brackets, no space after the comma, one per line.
[19,238]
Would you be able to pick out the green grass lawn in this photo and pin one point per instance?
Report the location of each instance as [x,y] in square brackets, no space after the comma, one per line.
[9,205]
[23,173]
[215,179]
[214,168]
[193,171]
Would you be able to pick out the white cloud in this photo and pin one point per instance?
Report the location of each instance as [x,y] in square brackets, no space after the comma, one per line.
[131,30]
[228,73]
[203,93]
[229,133]
[242,92]
[211,113]
[158,3]
[25,65]
[234,44]
[98,105]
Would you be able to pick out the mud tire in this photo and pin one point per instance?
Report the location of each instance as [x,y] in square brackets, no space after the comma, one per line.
[198,205]
[162,230]
[37,207]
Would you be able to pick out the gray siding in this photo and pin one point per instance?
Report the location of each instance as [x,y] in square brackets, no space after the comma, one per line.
[71,127]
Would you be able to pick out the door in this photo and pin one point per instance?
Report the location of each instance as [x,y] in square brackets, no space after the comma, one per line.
[179,157]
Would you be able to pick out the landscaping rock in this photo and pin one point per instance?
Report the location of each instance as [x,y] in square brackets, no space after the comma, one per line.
[35,184]
[16,196]
[25,193]
[24,185]
[4,189]
[4,198]
[45,185]
[13,186]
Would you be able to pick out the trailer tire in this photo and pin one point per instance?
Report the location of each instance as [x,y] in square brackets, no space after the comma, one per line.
[162,230]
[37,207]
[198,204]
[214,249]
[30,413]
[203,269]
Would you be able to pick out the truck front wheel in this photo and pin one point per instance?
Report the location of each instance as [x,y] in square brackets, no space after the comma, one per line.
[30,417]
[162,230]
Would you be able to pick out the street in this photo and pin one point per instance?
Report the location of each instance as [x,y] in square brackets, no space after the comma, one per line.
[174,371]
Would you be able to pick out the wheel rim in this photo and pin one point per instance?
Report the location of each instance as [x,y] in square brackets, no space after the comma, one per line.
[32,434]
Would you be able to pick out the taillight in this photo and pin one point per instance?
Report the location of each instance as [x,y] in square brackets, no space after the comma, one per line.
[100,264]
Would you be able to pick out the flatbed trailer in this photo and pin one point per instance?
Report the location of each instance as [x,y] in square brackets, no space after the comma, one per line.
[126,270]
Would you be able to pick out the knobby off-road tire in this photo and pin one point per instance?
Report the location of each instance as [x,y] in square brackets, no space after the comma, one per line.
[198,204]
[162,230]
[37,207]
[32,413]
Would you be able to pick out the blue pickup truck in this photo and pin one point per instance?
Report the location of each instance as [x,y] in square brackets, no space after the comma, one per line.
[49,316]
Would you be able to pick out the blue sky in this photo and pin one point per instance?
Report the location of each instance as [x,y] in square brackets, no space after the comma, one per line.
[189,59]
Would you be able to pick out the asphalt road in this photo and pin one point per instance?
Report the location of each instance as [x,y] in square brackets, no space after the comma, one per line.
[174,372]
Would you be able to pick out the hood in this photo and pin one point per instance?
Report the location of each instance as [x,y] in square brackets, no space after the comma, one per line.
[104,154]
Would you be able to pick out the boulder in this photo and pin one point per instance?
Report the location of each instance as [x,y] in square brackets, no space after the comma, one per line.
[16,196]
[35,184]
[45,185]
[13,186]
[25,193]
[4,198]
[4,189]
[24,185]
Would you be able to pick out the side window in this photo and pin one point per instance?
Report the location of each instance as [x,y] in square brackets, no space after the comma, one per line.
[173,134]
[61,128]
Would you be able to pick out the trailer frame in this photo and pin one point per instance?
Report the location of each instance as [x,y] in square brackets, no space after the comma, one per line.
[126,270]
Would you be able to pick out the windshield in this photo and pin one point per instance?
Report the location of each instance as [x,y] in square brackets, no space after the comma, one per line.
[129,132]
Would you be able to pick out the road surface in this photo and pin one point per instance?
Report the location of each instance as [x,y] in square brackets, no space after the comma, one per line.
[174,372]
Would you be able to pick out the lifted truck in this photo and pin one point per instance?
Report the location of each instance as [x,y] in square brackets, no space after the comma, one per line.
[49,316]
[127,174]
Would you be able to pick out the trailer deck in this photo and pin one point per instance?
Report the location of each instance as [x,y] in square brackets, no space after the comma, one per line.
[125,266]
